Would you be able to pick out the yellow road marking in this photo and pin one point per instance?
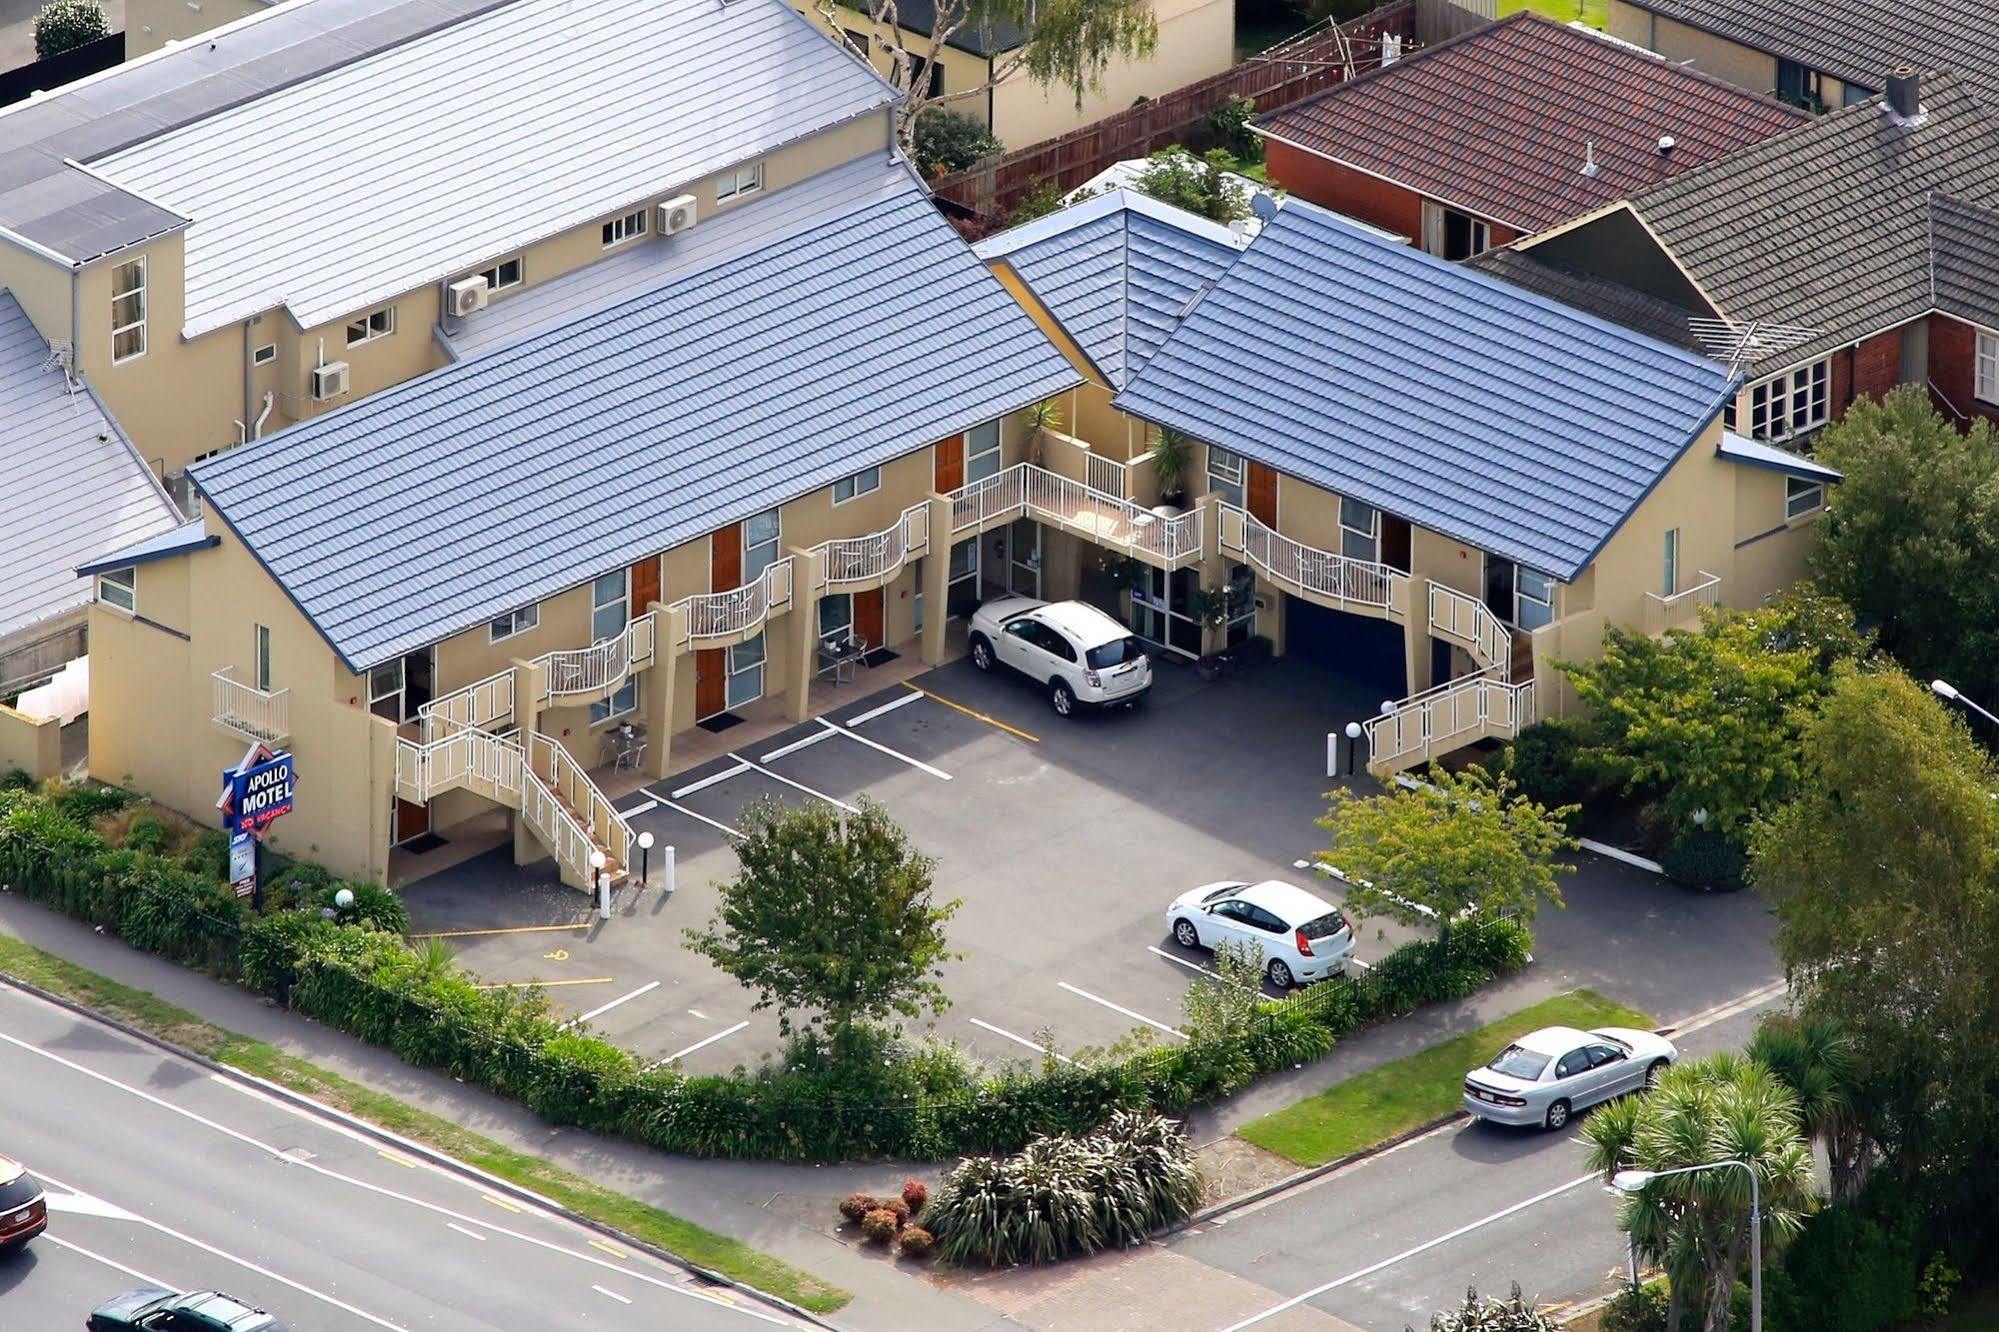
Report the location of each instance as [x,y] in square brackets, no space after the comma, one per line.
[559,955]
[511,929]
[976,716]
[522,985]
[397,1157]
[499,1202]
[611,1249]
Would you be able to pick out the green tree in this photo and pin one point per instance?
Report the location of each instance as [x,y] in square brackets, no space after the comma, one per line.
[945,141]
[1811,1056]
[1201,185]
[830,914]
[1459,843]
[1696,1226]
[64,25]
[1911,536]
[1711,717]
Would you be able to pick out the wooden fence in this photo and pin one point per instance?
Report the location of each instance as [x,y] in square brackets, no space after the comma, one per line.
[1286,73]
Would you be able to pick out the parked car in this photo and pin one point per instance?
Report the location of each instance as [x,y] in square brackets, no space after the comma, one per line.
[24,1212]
[1079,654]
[150,1309]
[1301,936]
[1546,1076]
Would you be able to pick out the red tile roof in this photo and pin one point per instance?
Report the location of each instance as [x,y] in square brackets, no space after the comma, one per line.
[1499,121]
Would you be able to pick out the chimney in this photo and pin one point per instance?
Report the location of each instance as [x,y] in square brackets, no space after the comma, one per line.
[1904,93]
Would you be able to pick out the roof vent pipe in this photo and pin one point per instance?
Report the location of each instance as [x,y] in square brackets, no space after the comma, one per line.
[1904,92]
[1666,145]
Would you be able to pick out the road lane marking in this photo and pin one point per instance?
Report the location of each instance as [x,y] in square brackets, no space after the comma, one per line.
[1726,1010]
[885,709]
[84,1204]
[975,716]
[682,809]
[833,728]
[1120,1008]
[698,1045]
[522,985]
[602,1009]
[796,745]
[611,1249]
[453,1225]
[397,1157]
[714,779]
[1020,1040]
[511,929]
[500,1202]
[780,777]
[112,1263]
[612,1293]
[1424,1247]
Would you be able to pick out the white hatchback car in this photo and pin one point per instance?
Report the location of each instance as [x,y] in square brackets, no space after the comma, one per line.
[1301,935]
[1079,654]
[1547,1075]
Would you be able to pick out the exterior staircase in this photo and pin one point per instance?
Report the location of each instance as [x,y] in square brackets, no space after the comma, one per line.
[1485,705]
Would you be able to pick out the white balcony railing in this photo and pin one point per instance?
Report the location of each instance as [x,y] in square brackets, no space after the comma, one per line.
[1107,475]
[477,706]
[1470,623]
[1026,491]
[599,669]
[1340,581]
[604,825]
[848,563]
[1452,715]
[739,612]
[250,712]
[1663,613]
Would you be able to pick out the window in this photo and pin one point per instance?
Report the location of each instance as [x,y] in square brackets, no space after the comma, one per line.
[965,559]
[1801,496]
[1449,234]
[1225,473]
[857,42]
[517,622]
[736,184]
[982,451]
[1986,360]
[1534,600]
[120,588]
[1799,85]
[368,327]
[1574,1062]
[1790,404]
[746,672]
[128,310]
[506,273]
[265,354]
[261,665]
[1670,566]
[760,540]
[607,606]
[618,704]
[863,482]
[621,229]
[385,690]
[1360,530]
[836,615]
[1599,1055]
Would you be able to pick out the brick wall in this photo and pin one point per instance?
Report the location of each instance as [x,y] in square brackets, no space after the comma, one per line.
[1345,190]
[1877,364]
[1953,369]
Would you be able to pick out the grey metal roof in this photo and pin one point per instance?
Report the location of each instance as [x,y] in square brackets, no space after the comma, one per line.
[1650,315]
[1116,272]
[79,216]
[1470,407]
[1755,453]
[762,221]
[1964,259]
[1857,41]
[500,480]
[175,541]
[448,151]
[71,487]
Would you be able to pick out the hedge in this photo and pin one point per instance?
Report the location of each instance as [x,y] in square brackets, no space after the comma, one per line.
[372,984]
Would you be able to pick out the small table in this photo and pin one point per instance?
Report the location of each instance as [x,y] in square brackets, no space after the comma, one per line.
[626,745]
[838,654]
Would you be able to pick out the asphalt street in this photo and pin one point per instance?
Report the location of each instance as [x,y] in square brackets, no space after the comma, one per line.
[1389,1240]
[160,1172]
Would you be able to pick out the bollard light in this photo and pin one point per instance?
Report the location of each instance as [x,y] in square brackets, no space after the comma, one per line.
[344,898]
[645,858]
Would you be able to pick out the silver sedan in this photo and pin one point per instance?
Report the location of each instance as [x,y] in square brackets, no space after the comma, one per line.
[1546,1076]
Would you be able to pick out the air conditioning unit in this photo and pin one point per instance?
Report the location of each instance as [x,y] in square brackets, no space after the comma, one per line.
[467,295]
[676,215]
[329,381]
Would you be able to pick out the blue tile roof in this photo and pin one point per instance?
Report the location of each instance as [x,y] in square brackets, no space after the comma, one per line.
[1467,406]
[1116,272]
[498,481]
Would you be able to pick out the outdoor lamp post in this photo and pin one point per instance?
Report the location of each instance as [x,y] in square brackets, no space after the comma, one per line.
[1634,1182]
[1700,817]
[1353,748]
[645,858]
[344,898]
[1944,689]
[603,883]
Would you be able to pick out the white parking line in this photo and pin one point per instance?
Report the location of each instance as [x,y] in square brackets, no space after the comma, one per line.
[780,777]
[1120,1008]
[797,745]
[679,808]
[831,728]
[643,807]
[111,1263]
[602,1009]
[884,709]
[701,1044]
[612,1293]
[713,779]
[1196,966]
[1020,1040]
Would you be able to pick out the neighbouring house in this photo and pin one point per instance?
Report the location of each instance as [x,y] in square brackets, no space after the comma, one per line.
[1876,270]
[1825,54]
[1505,131]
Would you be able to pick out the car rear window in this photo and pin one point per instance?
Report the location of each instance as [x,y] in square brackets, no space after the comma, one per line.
[1519,1062]
[1107,655]
[1323,927]
[15,1192]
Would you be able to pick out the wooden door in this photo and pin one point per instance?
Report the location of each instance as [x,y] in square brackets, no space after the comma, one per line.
[1262,494]
[711,682]
[949,469]
[1395,543]
[645,585]
[725,560]
[870,618]
[411,821]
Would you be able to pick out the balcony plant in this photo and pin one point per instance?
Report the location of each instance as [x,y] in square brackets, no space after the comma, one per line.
[1042,418]
[1172,455]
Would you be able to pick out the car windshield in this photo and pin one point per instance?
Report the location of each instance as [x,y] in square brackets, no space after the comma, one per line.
[18,1192]
[1322,927]
[1107,655]
[1516,1061]
[1612,1041]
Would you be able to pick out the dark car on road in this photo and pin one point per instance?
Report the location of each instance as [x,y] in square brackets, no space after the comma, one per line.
[150,1309]
[24,1213]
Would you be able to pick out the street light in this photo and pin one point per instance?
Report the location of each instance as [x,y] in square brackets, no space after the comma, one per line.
[1700,817]
[1634,1182]
[1353,747]
[645,858]
[1944,689]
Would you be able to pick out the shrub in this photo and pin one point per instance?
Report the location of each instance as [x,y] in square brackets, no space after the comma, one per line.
[64,25]
[915,1193]
[146,833]
[916,1242]
[375,907]
[1479,1314]
[1705,858]
[1851,1269]
[1229,124]
[1635,1309]
[1542,763]
[857,1205]
[946,141]
[879,1225]
[208,855]
[17,779]
[898,1208]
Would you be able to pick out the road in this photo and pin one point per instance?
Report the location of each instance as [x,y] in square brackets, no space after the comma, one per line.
[1387,1241]
[161,1172]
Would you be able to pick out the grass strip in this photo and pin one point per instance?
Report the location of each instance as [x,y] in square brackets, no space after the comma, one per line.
[1372,1107]
[1592,12]
[149,1013]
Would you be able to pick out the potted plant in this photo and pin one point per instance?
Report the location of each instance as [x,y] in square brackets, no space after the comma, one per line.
[1209,607]
[1172,455]
[1041,418]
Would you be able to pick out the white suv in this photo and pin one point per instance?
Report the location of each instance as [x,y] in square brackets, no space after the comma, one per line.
[1079,653]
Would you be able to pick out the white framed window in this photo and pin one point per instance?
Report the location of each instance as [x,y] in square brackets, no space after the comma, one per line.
[128,310]
[1985,379]
[621,229]
[120,588]
[762,533]
[265,354]
[740,182]
[514,622]
[982,451]
[836,615]
[1533,599]
[864,482]
[618,704]
[261,658]
[746,672]
[385,690]
[1791,404]
[610,596]
[1449,234]
[506,273]
[1360,530]
[375,324]
[1669,569]
[1802,495]
[1225,473]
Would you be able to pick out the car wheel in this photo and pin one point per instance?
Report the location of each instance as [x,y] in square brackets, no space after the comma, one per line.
[1185,934]
[1279,973]
[1062,697]
[982,652]
[1558,1114]
[1652,1073]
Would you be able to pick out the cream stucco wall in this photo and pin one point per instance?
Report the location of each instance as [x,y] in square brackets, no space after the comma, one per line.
[1740,65]
[31,744]
[41,285]
[151,24]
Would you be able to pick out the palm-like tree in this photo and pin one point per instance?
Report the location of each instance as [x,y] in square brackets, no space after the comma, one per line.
[1722,1108]
[1811,1055]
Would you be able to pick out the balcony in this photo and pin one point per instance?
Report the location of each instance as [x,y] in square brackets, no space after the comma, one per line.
[1681,610]
[717,619]
[598,670]
[1458,617]
[1363,587]
[855,564]
[249,712]
[1454,714]
[1026,491]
